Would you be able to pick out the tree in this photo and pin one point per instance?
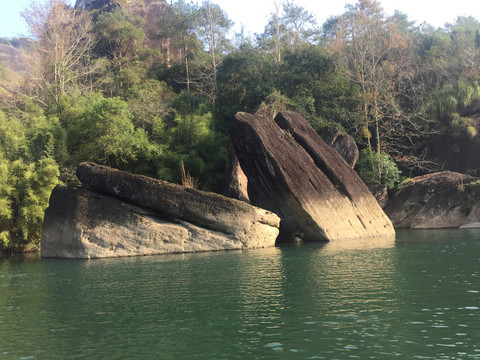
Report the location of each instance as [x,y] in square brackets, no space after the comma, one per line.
[92,5]
[63,44]
[149,103]
[120,41]
[28,174]
[212,26]
[290,26]
[368,44]
[101,130]
[34,183]
[177,27]
[302,77]
[383,58]
[390,174]
[245,79]
[119,37]
[2,70]
[464,34]
[271,39]
[6,212]
[299,24]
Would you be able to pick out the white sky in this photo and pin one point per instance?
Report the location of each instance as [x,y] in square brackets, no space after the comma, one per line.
[253,14]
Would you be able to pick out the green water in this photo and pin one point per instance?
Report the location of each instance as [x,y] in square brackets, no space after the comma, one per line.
[417,297]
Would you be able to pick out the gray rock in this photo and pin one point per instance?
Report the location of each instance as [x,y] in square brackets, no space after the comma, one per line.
[438,200]
[344,144]
[80,223]
[236,182]
[292,172]
[380,192]
[473,219]
[347,147]
[211,211]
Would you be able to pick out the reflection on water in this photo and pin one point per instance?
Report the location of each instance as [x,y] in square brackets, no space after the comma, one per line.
[416,297]
[381,242]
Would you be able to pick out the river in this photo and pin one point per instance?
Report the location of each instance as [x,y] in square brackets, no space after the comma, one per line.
[415,298]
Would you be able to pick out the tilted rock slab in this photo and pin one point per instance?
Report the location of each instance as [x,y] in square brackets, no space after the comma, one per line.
[292,172]
[439,200]
[84,224]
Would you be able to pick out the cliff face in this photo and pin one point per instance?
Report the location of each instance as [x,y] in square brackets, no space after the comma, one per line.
[13,66]
[151,11]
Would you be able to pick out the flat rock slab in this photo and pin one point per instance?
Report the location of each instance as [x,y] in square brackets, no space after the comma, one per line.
[293,173]
[80,223]
[246,223]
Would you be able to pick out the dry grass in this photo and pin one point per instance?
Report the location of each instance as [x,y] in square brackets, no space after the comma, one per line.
[460,185]
[188,180]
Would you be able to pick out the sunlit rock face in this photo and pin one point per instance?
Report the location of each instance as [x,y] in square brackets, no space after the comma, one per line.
[293,173]
[121,214]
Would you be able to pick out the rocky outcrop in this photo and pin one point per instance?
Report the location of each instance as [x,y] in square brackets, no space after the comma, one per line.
[473,218]
[152,11]
[125,215]
[344,144]
[212,211]
[439,200]
[236,183]
[292,172]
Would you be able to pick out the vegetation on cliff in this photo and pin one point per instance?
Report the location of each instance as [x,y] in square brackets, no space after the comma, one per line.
[100,85]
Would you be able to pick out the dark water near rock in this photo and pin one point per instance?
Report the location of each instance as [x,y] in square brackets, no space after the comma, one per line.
[416,298]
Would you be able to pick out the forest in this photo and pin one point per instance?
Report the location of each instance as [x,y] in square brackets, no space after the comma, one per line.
[102,86]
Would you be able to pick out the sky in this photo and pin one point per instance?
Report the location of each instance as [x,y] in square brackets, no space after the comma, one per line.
[253,14]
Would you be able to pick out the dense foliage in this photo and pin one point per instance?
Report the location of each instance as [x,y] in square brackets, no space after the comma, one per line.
[101,88]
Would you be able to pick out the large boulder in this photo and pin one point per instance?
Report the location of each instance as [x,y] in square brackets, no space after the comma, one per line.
[344,144]
[80,223]
[121,214]
[438,200]
[292,172]
[205,209]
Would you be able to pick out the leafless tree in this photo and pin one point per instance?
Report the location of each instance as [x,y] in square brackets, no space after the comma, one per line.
[63,42]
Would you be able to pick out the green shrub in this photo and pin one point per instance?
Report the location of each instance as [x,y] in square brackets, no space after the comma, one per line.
[471,132]
[475,189]
[376,168]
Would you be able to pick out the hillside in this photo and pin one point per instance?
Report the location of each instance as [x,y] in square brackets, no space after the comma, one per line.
[14,64]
